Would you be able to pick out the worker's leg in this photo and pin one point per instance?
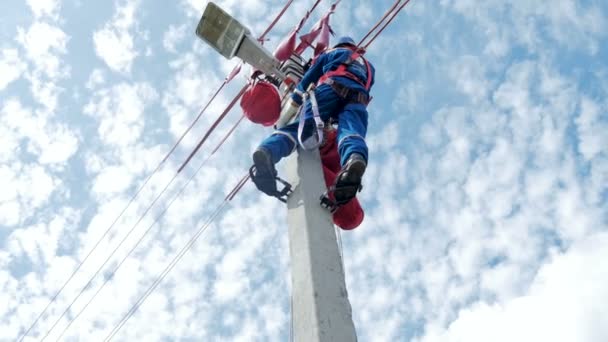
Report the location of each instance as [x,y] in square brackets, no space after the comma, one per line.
[352,128]
[282,142]
[273,148]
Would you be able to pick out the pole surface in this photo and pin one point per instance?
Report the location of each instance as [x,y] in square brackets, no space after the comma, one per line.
[321,310]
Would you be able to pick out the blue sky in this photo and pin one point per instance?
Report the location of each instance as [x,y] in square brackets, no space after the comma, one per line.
[486,194]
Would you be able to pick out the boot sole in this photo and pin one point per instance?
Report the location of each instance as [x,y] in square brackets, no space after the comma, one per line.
[354,172]
[347,188]
[263,164]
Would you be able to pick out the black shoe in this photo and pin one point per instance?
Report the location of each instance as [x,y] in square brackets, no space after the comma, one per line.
[265,174]
[348,181]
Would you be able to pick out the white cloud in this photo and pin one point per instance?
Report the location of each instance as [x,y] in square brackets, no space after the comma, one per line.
[11,67]
[173,36]
[42,8]
[188,92]
[25,189]
[50,142]
[45,92]
[565,302]
[96,78]
[42,42]
[114,44]
[120,112]
[505,177]
[592,130]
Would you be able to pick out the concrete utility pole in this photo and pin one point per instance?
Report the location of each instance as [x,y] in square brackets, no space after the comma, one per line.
[321,310]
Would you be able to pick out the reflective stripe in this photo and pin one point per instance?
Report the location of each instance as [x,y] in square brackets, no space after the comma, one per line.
[350,136]
[295,143]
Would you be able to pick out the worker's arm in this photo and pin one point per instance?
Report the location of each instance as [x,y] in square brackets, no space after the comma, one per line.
[311,76]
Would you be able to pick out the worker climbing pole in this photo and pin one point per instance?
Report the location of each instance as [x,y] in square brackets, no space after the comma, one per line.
[337,89]
[304,101]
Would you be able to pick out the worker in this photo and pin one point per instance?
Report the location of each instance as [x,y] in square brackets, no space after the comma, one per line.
[344,79]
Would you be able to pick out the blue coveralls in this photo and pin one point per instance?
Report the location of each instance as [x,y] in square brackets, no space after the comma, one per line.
[351,117]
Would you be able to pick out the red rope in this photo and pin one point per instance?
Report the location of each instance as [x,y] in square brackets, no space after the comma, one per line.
[193,122]
[210,130]
[307,15]
[274,22]
[227,135]
[132,199]
[237,188]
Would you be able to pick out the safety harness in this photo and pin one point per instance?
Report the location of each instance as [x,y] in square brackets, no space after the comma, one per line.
[342,71]
[346,93]
[316,139]
[267,183]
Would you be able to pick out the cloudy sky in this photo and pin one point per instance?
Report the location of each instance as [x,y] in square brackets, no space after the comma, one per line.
[486,197]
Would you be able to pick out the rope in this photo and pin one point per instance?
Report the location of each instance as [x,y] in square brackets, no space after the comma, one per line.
[226,80]
[228,134]
[230,196]
[131,200]
[108,258]
[233,102]
[312,8]
[276,19]
[386,14]
[166,271]
[238,187]
[111,274]
[394,14]
[54,298]
[212,128]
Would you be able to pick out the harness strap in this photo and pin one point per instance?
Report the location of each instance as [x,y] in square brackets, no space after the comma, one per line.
[315,140]
[352,96]
[341,70]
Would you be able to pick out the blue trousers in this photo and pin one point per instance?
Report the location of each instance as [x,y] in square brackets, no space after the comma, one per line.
[352,127]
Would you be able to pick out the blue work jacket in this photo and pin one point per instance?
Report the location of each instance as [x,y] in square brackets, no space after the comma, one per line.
[331,60]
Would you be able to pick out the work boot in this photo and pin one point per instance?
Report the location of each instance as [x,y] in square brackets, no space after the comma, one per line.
[265,173]
[348,181]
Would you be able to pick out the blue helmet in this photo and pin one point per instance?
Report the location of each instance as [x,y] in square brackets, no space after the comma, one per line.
[345,41]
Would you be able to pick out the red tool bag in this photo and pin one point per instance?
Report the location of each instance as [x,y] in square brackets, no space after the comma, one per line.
[350,215]
[261,103]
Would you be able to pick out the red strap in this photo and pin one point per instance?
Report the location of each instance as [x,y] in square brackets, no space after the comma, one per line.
[342,71]
[368,84]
